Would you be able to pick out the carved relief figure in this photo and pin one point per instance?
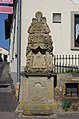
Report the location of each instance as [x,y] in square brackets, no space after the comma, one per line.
[39,51]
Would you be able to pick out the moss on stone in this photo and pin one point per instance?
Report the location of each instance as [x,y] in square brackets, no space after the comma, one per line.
[37,109]
[21,106]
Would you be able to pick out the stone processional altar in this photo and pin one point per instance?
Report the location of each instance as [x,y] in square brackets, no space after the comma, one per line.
[37,83]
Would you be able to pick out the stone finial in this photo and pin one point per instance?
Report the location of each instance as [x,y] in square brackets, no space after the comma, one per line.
[39,24]
[39,15]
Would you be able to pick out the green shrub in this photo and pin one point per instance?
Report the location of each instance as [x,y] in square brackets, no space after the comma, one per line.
[66,104]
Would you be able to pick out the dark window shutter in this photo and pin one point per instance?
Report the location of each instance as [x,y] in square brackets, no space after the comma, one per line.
[7,29]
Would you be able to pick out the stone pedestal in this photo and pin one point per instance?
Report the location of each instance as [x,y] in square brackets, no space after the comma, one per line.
[37,95]
[37,86]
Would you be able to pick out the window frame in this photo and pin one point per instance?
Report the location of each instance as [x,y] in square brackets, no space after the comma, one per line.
[58,21]
[71,87]
[73,14]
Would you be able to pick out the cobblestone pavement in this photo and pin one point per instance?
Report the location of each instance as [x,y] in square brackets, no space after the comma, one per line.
[8,104]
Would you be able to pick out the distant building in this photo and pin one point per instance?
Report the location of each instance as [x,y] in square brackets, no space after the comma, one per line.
[4,55]
[75,1]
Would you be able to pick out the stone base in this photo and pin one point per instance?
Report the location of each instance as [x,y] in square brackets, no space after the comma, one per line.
[37,94]
[37,109]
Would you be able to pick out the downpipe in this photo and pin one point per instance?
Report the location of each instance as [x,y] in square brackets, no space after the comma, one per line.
[18,50]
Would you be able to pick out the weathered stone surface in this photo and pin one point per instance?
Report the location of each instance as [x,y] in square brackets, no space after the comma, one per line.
[43,109]
[37,95]
[38,78]
[62,80]
[38,89]
[39,51]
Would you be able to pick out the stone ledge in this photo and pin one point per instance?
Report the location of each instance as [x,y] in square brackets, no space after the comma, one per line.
[38,74]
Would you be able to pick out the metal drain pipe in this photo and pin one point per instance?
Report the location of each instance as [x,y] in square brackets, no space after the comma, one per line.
[18,47]
[19,42]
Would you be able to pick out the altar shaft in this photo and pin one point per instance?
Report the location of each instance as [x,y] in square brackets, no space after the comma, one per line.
[38,77]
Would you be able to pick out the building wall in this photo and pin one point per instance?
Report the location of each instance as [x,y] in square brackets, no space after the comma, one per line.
[3,52]
[13,50]
[61,32]
[62,80]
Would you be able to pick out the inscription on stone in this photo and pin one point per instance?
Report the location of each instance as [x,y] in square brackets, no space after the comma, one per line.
[38,89]
[39,61]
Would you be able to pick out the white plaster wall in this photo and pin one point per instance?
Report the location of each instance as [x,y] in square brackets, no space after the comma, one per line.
[61,32]
[4,51]
[13,59]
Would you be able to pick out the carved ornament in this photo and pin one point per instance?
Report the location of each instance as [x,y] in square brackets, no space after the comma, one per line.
[39,50]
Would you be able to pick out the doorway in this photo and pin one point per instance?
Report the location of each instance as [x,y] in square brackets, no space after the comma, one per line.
[5,58]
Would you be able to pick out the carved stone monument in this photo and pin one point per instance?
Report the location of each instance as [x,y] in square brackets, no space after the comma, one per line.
[37,86]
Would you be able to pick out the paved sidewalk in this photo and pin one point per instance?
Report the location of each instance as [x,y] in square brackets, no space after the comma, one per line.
[7,91]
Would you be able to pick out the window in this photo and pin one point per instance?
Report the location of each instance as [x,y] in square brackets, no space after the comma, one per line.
[56,17]
[72,89]
[75,30]
[76,27]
